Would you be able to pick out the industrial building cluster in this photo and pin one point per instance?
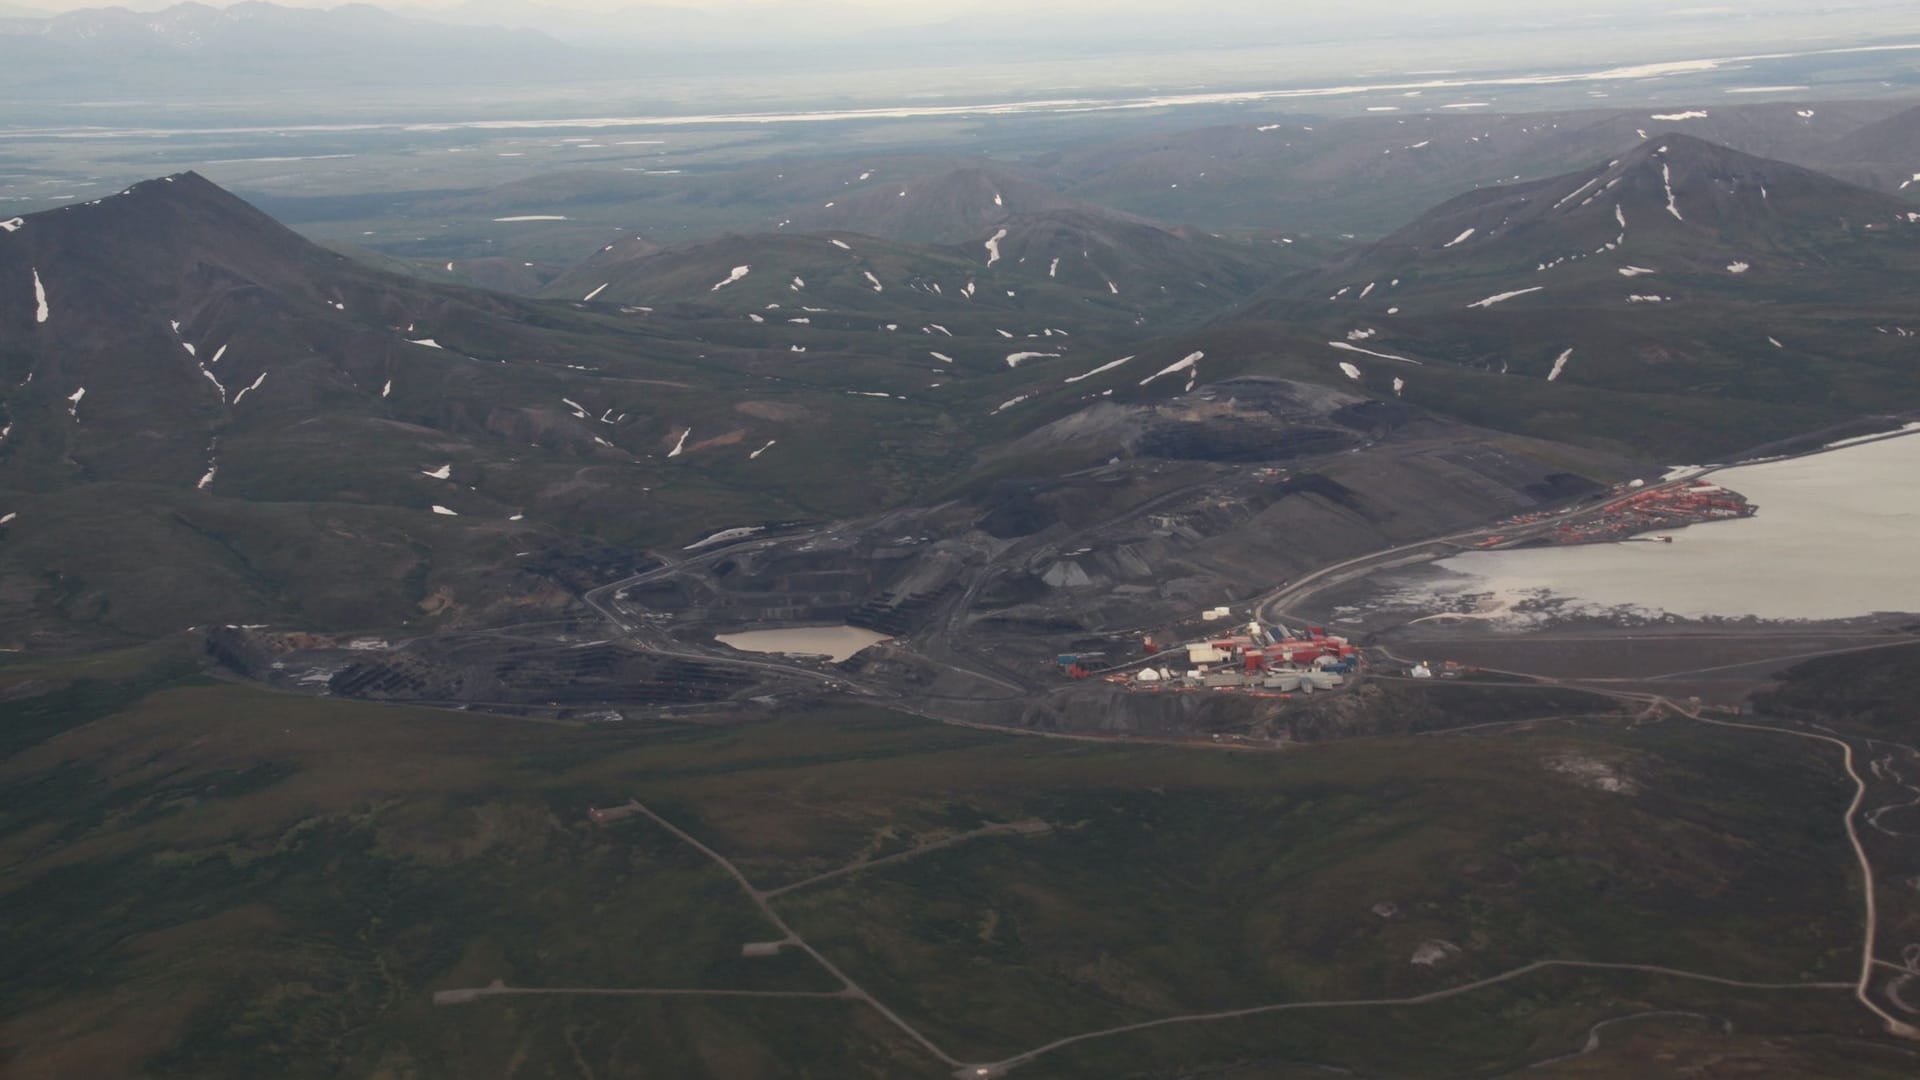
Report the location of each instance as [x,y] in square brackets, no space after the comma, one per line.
[1669,506]
[1665,507]
[1258,659]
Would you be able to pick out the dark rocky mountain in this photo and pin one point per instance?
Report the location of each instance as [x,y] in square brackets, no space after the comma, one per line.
[946,207]
[1366,175]
[1072,270]
[1883,155]
[1679,272]
[180,368]
[1698,205]
[297,437]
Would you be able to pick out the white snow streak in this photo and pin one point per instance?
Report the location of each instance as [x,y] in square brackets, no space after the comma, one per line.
[1344,347]
[840,244]
[1690,114]
[681,445]
[1352,372]
[1504,297]
[871,280]
[427,341]
[11,224]
[387,389]
[1016,359]
[737,273]
[1635,271]
[942,357]
[39,298]
[762,450]
[596,292]
[1461,239]
[444,472]
[1666,177]
[1559,365]
[1738,267]
[442,511]
[534,217]
[1576,193]
[255,386]
[1178,365]
[73,402]
[1108,366]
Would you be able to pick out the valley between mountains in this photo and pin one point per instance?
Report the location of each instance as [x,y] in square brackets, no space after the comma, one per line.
[380,693]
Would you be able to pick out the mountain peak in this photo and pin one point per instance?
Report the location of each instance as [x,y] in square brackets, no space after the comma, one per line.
[1672,186]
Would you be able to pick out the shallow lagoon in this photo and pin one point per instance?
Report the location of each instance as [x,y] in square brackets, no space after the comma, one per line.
[1837,536]
[838,642]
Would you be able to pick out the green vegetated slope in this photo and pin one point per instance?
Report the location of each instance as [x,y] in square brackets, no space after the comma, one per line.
[1867,693]
[209,880]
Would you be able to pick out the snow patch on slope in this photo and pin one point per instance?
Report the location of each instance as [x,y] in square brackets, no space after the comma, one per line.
[1502,298]
[1344,347]
[1016,359]
[993,246]
[1178,365]
[254,386]
[1108,366]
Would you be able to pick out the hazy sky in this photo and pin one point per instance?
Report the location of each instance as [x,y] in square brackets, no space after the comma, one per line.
[592,22]
[1354,11]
